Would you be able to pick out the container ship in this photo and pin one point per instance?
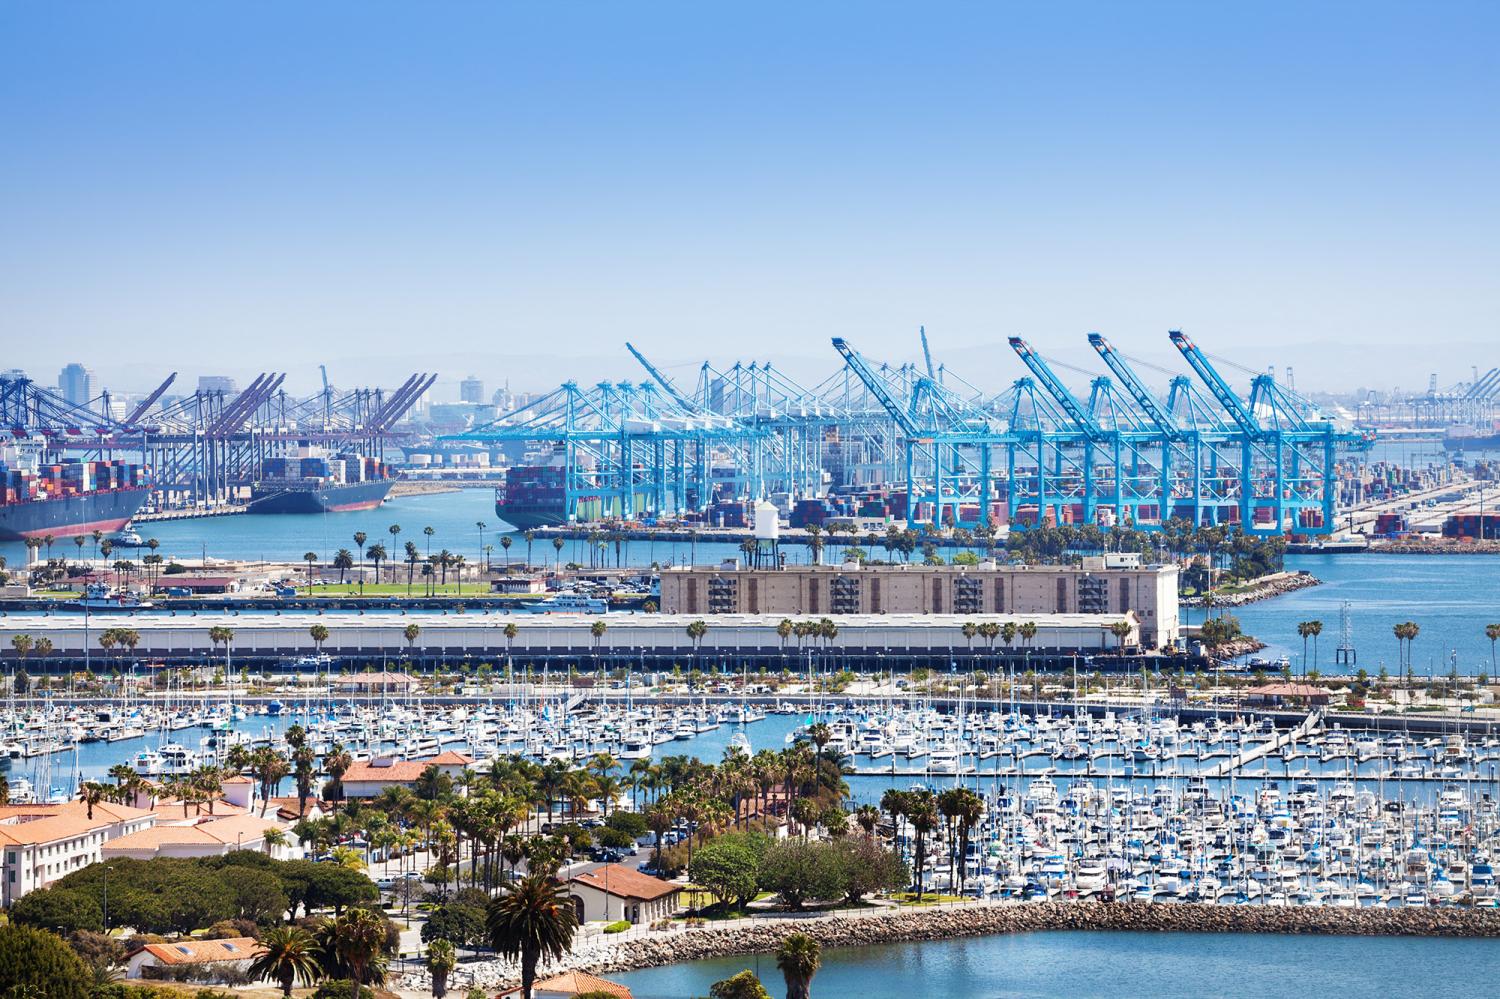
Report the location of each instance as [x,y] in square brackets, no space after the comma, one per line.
[533,496]
[1470,439]
[311,483]
[66,498]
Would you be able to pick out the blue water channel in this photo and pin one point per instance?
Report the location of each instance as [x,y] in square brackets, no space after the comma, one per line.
[1079,965]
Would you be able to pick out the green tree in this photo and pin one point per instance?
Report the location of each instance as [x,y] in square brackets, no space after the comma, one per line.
[36,963]
[290,956]
[741,986]
[726,868]
[442,958]
[356,939]
[798,959]
[531,919]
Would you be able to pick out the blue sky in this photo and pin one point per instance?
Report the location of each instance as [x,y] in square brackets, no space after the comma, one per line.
[517,189]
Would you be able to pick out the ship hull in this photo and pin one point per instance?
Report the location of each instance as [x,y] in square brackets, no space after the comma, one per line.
[323,499]
[525,517]
[1486,442]
[69,516]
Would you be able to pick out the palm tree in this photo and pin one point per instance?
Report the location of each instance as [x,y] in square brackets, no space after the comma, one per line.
[376,554]
[360,537]
[695,631]
[921,812]
[343,561]
[531,919]
[91,793]
[289,955]
[1492,632]
[441,960]
[220,635]
[319,634]
[597,630]
[356,939]
[969,629]
[530,536]
[309,558]
[1314,628]
[509,631]
[798,959]
[557,547]
[410,633]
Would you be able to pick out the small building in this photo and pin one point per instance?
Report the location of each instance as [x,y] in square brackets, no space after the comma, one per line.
[375,683]
[613,892]
[570,984]
[1273,694]
[522,585]
[211,837]
[368,778]
[155,960]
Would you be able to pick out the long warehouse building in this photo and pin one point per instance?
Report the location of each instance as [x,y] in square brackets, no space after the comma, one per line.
[1110,584]
[261,634]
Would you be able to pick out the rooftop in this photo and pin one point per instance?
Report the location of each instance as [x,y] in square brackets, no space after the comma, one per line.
[626,882]
[205,951]
[576,983]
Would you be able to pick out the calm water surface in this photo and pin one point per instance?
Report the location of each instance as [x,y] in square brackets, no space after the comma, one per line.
[1079,965]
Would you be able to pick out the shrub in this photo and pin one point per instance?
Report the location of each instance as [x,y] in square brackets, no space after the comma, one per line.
[226,929]
[618,926]
[632,824]
[61,910]
[36,962]
[97,949]
[336,989]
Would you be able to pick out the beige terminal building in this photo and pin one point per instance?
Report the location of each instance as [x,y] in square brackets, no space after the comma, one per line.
[1103,585]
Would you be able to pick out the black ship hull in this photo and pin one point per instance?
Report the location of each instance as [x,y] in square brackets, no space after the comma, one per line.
[69,516]
[319,499]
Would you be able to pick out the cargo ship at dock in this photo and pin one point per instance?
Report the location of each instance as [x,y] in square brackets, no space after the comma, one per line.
[314,483]
[64,499]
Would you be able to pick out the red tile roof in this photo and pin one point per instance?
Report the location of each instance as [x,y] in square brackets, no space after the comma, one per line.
[626,882]
[205,951]
[576,983]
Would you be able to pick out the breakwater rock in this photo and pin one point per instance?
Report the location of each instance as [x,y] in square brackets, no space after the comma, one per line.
[1264,588]
[888,925]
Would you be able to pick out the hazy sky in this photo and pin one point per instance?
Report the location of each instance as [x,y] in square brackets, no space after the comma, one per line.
[517,189]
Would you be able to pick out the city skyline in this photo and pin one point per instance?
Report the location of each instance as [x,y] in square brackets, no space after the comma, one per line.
[1293,186]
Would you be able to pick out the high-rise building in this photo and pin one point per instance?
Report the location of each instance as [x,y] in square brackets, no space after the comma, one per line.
[471,390]
[218,383]
[76,383]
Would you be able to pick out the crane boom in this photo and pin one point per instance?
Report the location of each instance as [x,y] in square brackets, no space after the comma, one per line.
[927,353]
[1074,409]
[661,379]
[1216,385]
[1137,389]
[150,400]
[877,387]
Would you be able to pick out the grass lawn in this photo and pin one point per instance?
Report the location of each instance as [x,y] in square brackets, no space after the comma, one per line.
[928,898]
[418,589]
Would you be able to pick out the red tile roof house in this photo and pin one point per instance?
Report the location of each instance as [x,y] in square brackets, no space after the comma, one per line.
[1287,693]
[235,954]
[366,779]
[613,891]
[41,843]
[209,837]
[570,984]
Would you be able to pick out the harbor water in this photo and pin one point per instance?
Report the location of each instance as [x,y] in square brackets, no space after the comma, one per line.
[1078,965]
